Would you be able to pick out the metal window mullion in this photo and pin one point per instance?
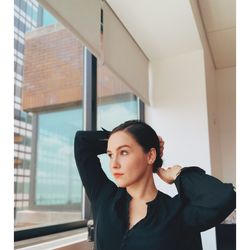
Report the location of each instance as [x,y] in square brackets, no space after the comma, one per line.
[141,109]
[89,108]
[33,163]
[89,91]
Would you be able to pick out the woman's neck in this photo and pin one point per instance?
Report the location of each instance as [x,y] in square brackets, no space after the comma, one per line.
[144,190]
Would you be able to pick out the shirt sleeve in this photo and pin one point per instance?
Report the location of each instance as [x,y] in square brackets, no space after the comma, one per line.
[87,145]
[207,201]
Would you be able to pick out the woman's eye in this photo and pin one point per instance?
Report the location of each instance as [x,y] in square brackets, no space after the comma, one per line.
[123,152]
[110,155]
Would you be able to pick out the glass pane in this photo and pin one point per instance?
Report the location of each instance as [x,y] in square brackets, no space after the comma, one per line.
[48,19]
[48,111]
[116,104]
[29,10]
[57,179]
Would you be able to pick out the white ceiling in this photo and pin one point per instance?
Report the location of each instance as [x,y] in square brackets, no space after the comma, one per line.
[164,28]
[219,17]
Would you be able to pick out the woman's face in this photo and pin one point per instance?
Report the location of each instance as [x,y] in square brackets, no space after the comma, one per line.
[128,162]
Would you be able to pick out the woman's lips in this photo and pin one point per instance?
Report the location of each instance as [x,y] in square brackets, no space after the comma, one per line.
[117,175]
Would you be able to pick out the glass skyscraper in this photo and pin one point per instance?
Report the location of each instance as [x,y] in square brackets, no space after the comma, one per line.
[27,16]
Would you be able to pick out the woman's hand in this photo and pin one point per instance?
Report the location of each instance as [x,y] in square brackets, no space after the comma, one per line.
[161,145]
[170,174]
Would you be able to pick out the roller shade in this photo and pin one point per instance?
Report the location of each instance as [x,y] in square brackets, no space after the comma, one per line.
[123,56]
[82,17]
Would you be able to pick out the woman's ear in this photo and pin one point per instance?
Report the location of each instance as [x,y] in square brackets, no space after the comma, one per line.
[151,156]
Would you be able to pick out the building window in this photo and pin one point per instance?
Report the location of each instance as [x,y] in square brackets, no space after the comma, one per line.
[48,19]
[19,46]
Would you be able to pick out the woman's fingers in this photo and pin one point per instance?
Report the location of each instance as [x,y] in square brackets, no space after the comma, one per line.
[163,174]
[169,174]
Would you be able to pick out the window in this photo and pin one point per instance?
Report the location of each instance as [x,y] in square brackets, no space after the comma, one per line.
[56,177]
[17,114]
[19,24]
[18,68]
[116,104]
[23,5]
[19,46]
[29,10]
[48,189]
[48,19]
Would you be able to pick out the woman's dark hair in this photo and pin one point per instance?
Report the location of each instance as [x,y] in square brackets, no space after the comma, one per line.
[145,136]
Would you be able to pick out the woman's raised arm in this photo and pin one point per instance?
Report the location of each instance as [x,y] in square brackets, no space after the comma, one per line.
[87,145]
[206,200]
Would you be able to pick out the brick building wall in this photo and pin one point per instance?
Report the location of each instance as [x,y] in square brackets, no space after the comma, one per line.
[52,68]
[53,71]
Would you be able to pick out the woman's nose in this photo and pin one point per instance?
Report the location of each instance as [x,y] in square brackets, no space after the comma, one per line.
[115,163]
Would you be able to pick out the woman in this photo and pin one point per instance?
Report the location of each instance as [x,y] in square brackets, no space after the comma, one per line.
[132,214]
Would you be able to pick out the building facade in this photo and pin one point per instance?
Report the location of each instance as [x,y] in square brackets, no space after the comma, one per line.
[27,16]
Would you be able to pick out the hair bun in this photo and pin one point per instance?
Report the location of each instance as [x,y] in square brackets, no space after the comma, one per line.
[157,164]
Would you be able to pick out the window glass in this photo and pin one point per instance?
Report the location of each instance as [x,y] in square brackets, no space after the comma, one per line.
[21,26]
[23,5]
[17,2]
[57,180]
[48,111]
[34,14]
[116,104]
[17,114]
[29,10]
[17,89]
[48,19]
[19,68]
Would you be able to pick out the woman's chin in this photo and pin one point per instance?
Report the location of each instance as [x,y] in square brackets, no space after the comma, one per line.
[121,184]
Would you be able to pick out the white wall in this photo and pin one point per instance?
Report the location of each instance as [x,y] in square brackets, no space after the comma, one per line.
[226,117]
[215,154]
[178,112]
[212,107]
[178,109]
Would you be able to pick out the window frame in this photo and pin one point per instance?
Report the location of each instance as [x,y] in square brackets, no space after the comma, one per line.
[25,234]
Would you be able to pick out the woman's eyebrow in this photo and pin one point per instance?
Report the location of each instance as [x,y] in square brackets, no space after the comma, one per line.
[125,145]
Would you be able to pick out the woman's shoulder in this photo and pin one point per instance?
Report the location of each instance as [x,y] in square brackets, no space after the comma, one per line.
[169,206]
[169,200]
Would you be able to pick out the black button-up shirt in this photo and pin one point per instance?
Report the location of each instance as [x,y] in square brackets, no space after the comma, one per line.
[171,223]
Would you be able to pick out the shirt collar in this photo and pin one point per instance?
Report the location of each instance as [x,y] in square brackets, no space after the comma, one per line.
[122,193]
